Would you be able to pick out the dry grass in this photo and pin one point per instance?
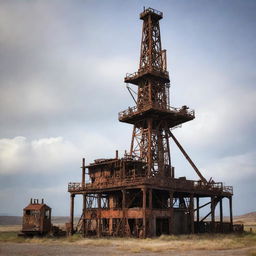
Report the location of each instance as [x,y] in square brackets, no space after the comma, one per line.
[10,228]
[252,253]
[250,226]
[157,245]
[190,242]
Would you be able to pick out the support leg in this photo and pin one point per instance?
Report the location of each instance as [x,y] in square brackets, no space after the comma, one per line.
[221,216]
[171,219]
[144,212]
[197,213]
[99,215]
[212,214]
[192,230]
[72,197]
[124,210]
[84,211]
[150,205]
[231,213]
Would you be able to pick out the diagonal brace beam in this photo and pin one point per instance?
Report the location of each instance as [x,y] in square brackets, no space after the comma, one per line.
[216,200]
[201,206]
[187,157]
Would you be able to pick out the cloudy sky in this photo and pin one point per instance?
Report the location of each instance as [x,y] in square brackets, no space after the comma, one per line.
[62,65]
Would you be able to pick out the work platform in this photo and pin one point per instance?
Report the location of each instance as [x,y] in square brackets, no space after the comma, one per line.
[172,116]
[111,178]
[120,197]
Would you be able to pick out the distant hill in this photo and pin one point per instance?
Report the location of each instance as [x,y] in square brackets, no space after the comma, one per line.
[250,215]
[10,220]
[246,218]
[17,220]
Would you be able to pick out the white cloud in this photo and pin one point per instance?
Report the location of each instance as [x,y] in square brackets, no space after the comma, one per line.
[19,155]
[234,168]
[223,119]
[45,155]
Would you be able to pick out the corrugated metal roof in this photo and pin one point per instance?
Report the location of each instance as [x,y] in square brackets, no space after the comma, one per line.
[36,207]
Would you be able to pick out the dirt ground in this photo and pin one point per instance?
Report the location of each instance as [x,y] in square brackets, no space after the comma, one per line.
[25,249]
[183,245]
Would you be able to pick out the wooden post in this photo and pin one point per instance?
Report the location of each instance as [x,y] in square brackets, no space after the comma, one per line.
[84,212]
[192,213]
[221,216]
[72,197]
[212,214]
[83,174]
[231,213]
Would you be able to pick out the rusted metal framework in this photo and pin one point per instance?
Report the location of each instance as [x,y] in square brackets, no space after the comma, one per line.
[138,194]
[36,218]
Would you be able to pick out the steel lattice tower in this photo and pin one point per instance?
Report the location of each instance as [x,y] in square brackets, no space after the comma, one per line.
[153,117]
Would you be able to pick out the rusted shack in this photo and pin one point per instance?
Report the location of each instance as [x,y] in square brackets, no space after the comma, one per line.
[36,218]
[138,194]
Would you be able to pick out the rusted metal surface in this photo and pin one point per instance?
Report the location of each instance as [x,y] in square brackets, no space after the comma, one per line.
[138,194]
[36,218]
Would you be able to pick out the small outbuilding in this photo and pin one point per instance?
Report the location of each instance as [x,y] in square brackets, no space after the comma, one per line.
[36,218]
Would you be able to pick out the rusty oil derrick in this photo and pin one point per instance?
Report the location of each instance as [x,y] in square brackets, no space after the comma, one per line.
[138,194]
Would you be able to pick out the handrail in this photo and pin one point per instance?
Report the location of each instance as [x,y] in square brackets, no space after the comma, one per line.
[148,10]
[175,183]
[134,110]
[143,71]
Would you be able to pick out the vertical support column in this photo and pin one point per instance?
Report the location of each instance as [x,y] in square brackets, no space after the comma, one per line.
[149,153]
[171,218]
[221,216]
[212,214]
[192,213]
[84,211]
[110,226]
[72,197]
[231,213]
[151,220]
[161,151]
[150,33]
[132,142]
[99,215]
[123,200]
[150,202]
[144,201]
[197,213]
[83,174]
[168,147]
[124,209]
